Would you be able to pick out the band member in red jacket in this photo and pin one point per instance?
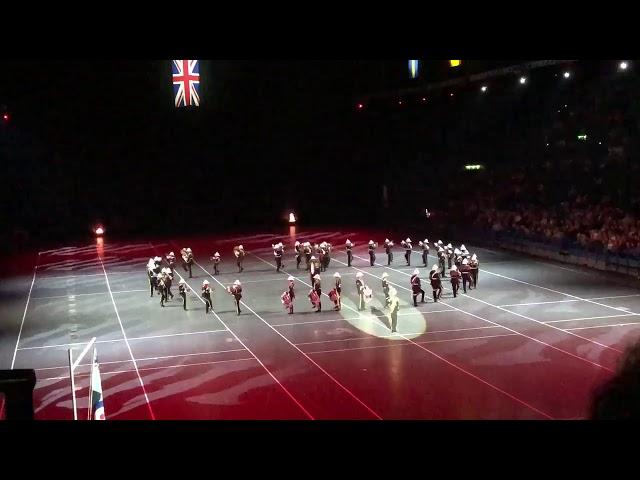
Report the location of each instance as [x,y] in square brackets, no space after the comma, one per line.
[416,288]
[474,265]
[336,292]
[455,280]
[290,294]
[436,283]
[466,274]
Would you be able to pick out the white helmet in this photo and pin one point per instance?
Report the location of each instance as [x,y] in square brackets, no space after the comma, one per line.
[348,242]
[313,257]
[465,262]
[435,267]
[457,252]
[386,240]
[416,272]
[370,242]
[454,268]
[291,279]
[462,247]
[440,249]
[439,242]
[316,277]
[237,282]
[240,247]
[449,246]
[217,254]
[385,275]
[473,257]
[182,282]
[157,259]
[337,275]
[408,240]
[189,250]
[359,275]
[426,240]
[205,282]
[171,254]
[297,243]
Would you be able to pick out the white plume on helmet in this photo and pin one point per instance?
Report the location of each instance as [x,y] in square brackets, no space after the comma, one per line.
[408,240]
[217,254]
[457,252]
[205,282]
[473,257]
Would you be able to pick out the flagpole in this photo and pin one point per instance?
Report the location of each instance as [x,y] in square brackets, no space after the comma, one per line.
[73,386]
[93,366]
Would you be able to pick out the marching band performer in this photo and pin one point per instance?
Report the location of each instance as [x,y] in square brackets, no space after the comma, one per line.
[464,252]
[183,289]
[436,283]
[298,248]
[372,252]
[407,250]
[457,257]
[474,265]
[416,287]
[455,280]
[216,262]
[322,254]
[314,267]
[171,261]
[162,286]
[465,270]
[236,291]
[153,279]
[442,255]
[168,280]
[307,254]
[425,251]
[337,292]
[278,250]
[385,289]
[318,289]
[327,247]
[449,250]
[394,306]
[349,246]
[388,245]
[187,260]
[360,290]
[289,296]
[206,294]
[239,254]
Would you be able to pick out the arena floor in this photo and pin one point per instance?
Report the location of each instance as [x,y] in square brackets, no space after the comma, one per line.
[532,342]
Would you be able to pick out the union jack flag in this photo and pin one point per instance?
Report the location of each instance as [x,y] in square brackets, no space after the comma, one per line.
[186,82]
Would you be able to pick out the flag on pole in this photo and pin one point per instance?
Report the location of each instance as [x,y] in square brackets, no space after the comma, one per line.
[186,82]
[97,404]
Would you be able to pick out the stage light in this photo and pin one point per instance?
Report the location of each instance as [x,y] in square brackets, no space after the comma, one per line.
[623,65]
[292,218]
[424,99]
[451,94]
[360,106]
[399,102]
[455,63]
[566,74]
[483,88]
[582,137]
[599,143]
[5,117]
[547,144]
[474,167]
[99,231]
[523,80]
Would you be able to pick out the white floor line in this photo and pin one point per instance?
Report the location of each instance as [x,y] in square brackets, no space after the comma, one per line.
[589,318]
[448,362]
[302,352]
[284,389]
[47,277]
[538,303]
[401,344]
[168,335]
[24,314]
[124,335]
[605,326]
[151,368]
[70,295]
[507,328]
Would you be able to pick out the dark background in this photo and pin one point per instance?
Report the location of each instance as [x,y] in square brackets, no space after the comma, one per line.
[95,141]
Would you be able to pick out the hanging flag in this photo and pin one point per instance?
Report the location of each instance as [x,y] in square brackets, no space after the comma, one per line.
[97,403]
[414,65]
[186,82]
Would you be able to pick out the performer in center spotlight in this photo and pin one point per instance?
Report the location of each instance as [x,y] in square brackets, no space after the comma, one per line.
[349,246]
[455,280]
[416,287]
[278,250]
[239,253]
[236,291]
[187,260]
[388,248]
[360,290]
[298,248]
[216,262]
[372,252]
[314,267]
[290,295]
[171,261]
[394,306]
[336,292]
[385,289]
[425,251]
[183,289]
[307,254]
[206,294]
[436,283]
[474,265]
[406,244]
[442,255]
